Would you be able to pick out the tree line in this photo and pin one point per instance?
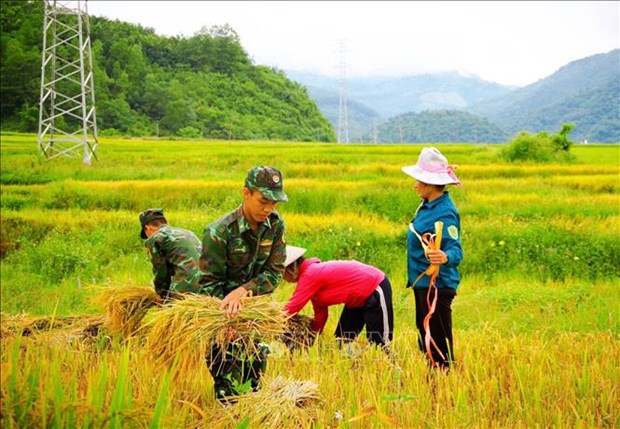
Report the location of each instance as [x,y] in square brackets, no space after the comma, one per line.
[147,84]
[438,126]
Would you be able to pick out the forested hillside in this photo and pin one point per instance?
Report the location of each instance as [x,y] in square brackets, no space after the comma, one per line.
[146,84]
[585,92]
[439,126]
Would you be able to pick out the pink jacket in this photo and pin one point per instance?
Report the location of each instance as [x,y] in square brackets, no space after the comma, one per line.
[333,282]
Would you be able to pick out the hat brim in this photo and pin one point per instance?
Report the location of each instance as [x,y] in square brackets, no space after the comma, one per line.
[278,196]
[429,177]
[293,253]
[143,234]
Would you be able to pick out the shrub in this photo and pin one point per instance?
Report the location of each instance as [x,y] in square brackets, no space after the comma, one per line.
[540,147]
[189,132]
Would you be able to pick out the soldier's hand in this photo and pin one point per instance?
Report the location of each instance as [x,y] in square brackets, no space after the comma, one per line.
[232,302]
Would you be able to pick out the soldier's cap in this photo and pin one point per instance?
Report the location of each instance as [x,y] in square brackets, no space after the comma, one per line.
[147,216]
[268,181]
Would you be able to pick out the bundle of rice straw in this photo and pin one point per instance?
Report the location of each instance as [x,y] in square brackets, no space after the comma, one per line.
[11,326]
[280,403]
[71,327]
[298,334]
[187,329]
[126,307]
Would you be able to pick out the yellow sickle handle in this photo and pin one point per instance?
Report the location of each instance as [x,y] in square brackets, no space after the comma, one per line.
[435,245]
[438,234]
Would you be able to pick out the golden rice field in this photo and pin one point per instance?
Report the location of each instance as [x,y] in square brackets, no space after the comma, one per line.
[536,319]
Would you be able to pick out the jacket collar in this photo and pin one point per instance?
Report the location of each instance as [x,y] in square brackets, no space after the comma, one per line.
[244,225]
[437,201]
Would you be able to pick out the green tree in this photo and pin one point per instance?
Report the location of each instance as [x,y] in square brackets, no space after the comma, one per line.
[539,147]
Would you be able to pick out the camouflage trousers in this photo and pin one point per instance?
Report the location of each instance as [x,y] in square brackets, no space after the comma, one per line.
[234,370]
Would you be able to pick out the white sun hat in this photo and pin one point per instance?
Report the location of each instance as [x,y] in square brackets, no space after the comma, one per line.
[293,253]
[432,168]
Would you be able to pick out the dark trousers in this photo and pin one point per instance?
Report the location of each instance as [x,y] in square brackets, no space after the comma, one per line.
[376,314]
[233,371]
[440,323]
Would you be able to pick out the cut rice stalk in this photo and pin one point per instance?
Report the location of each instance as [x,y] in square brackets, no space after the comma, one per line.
[187,329]
[280,403]
[126,307]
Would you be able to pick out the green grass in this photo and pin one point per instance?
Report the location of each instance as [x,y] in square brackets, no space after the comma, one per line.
[536,316]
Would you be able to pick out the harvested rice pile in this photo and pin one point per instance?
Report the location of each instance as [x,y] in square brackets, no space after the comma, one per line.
[11,326]
[280,403]
[188,328]
[70,328]
[298,334]
[126,307]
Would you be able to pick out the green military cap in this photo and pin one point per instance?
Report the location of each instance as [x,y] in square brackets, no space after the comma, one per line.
[268,181]
[150,215]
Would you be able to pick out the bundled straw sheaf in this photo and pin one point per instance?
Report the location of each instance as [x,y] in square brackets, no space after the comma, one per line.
[298,334]
[126,307]
[61,329]
[280,403]
[187,329]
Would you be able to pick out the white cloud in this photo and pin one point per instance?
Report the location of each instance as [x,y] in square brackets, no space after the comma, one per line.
[507,42]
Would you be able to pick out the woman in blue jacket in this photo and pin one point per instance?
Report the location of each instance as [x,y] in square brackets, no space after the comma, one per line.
[433,297]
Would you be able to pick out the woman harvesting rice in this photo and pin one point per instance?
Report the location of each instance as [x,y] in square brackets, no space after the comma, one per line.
[363,289]
[435,291]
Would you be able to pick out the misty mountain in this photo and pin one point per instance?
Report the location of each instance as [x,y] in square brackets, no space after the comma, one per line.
[391,96]
[371,100]
[360,117]
[585,92]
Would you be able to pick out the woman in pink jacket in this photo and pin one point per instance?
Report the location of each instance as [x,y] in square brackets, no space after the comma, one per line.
[363,289]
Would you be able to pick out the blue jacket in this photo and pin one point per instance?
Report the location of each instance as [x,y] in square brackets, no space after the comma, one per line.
[440,209]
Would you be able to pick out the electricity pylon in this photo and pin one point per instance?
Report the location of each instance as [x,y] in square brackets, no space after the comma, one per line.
[67,117]
[343,115]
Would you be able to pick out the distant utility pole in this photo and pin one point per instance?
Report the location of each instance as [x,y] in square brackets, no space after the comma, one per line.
[343,115]
[374,130]
[67,118]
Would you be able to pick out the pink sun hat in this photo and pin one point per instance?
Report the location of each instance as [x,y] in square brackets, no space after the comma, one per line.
[432,168]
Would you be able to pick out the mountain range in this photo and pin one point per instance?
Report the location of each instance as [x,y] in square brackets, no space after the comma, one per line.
[585,92]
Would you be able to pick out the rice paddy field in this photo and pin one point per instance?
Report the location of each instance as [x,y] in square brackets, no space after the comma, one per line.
[536,319]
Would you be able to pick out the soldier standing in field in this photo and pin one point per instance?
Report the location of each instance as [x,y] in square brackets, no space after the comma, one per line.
[174,253]
[243,253]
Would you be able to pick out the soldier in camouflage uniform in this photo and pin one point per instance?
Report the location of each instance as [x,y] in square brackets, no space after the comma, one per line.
[242,253]
[174,253]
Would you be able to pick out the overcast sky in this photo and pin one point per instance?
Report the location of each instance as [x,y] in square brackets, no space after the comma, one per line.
[513,43]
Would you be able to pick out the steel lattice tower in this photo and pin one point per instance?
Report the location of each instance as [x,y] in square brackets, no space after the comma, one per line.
[67,118]
[343,115]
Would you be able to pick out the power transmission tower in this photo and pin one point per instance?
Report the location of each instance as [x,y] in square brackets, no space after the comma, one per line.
[343,115]
[374,130]
[67,117]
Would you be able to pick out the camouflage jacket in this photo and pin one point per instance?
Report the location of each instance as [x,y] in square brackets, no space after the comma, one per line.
[233,255]
[174,253]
